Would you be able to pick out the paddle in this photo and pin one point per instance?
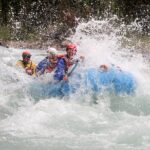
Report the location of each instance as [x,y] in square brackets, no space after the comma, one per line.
[74,67]
[64,83]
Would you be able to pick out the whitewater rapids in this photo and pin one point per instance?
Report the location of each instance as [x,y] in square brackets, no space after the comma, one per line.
[114,122]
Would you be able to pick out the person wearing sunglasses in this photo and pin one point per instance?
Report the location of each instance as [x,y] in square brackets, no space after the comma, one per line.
[27,63]
[48,64]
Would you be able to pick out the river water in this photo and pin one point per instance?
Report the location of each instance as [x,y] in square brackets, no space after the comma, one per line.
[115,122]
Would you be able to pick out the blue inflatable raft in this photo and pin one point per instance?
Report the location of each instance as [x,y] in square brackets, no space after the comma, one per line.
[90,80]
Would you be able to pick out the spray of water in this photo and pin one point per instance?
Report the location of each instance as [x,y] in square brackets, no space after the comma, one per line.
[76,122]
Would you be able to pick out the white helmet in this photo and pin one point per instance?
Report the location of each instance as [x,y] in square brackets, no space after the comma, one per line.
[52,51]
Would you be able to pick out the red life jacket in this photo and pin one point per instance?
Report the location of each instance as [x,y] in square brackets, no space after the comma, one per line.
[50,68]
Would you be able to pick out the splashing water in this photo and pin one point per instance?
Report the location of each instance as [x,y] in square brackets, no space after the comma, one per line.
[76,122]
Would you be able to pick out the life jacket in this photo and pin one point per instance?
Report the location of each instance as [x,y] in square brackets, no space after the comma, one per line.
[29,67]
[50,68]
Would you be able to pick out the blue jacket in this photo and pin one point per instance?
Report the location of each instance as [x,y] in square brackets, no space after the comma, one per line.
[42,65]
[60,69]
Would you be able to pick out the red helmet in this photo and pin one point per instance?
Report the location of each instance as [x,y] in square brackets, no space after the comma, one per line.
[72,46]
[25,53]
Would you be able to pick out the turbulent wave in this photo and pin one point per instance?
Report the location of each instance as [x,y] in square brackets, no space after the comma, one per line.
[81,121]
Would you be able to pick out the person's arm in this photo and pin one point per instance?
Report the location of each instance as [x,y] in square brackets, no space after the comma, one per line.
[40,69]
[19,64]
[78,59]
[34,68]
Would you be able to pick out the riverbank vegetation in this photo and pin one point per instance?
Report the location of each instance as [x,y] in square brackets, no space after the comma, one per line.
[43,20]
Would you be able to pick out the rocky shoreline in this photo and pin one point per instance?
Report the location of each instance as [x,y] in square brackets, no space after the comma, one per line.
[34,44]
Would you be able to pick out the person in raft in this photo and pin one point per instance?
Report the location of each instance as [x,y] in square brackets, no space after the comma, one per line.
[105,67]
[48,64]
[65,62]
[27,63]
